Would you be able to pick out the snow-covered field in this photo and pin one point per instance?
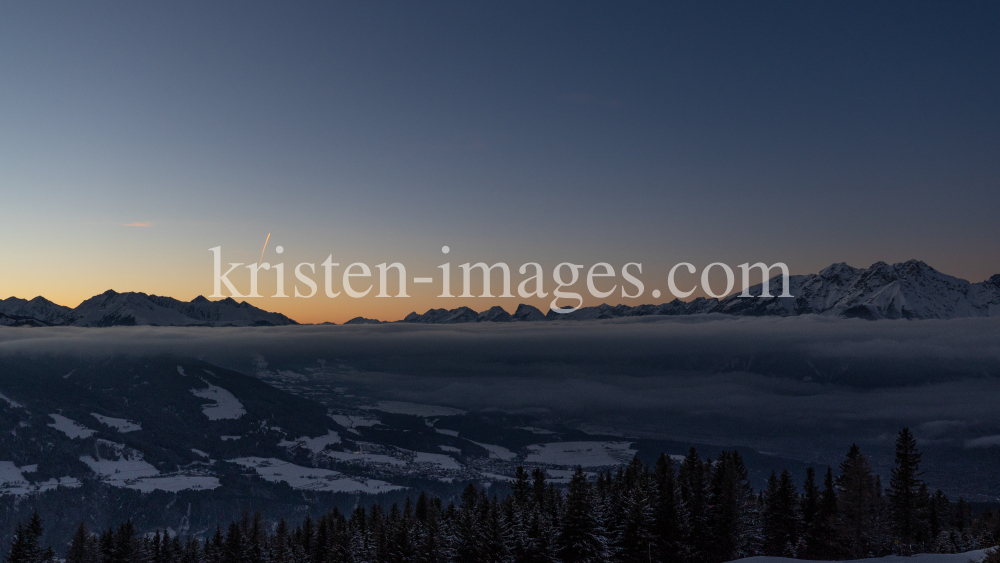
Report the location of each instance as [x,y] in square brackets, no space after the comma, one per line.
[535,430]
[131,471]
[309,478]
[415,409]
[12,481]
[119,424]
[586,454]
[13,404]
[353,421]
[315,445]
[922,558]
[441,460]
[498,452]
[226,404]
[364,458]
[69,427]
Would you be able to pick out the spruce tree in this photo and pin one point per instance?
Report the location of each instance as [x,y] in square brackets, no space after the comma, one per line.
[666,515]
[825,527]
[581,540]
[904,492]
[468,528]
[80,546]
[729,495]
[693,478]
[855,503]
[809,510]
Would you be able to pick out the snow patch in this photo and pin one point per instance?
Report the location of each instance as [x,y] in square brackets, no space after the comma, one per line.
[414,409]
[498,452]
[453,433]
[586,454]
[315,445]
[119,424]
[12,481]
[351,422]
[534,430]
[309,478]
[130,471]
[364,458]
[69,427]
[226,404]
[13,404]
[441,460]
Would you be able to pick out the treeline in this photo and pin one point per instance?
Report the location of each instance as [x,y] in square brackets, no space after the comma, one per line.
[697,511]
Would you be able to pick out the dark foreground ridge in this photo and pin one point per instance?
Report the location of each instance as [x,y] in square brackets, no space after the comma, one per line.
[694,511]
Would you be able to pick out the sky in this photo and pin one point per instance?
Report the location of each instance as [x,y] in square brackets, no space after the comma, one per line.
[135,137]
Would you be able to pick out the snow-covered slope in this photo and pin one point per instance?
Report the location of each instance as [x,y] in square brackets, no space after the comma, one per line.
[38,309]
[910,290]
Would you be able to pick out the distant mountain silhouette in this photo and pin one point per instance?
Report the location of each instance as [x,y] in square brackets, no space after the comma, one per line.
[134,309]
[908,290]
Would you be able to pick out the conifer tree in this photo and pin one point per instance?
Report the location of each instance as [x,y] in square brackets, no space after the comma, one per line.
[904,492]
[809,510]
[82,547]
[666,516]
[776,519]
[693,488]
[281,545]
[729,496]
[855,503]
[581,540]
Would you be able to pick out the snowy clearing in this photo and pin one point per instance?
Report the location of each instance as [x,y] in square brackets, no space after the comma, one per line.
[364,458]
[351,421]
[226,404]
[69,427]
[315,445]
[498,452]
[132,472]
[13,404]
[309,478]
[441,460]
[414,409]
[12,481]
[534,430]
[586,454]
[119,424]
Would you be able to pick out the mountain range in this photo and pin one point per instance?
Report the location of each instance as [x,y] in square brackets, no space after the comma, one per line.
[907,290]
[129,309]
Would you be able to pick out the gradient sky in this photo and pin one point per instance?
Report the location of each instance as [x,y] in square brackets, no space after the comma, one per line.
[799,132]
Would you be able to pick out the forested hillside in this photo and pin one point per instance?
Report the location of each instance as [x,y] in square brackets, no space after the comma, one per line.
[694,511]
